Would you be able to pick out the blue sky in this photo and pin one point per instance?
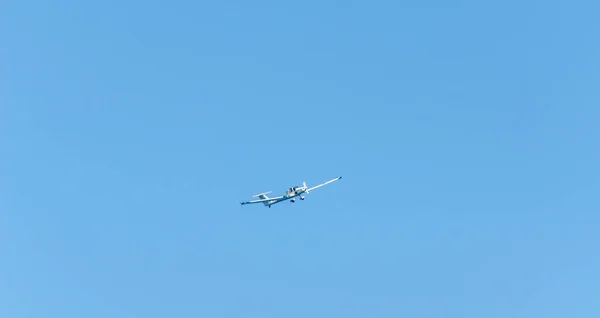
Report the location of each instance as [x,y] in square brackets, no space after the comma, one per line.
[466,134]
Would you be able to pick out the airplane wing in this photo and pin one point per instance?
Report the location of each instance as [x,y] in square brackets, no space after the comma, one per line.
[322,184]
[261,200]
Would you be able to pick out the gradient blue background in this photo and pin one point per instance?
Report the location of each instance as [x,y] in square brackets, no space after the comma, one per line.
[466,134]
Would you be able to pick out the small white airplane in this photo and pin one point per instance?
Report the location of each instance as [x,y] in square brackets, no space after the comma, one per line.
[290,194]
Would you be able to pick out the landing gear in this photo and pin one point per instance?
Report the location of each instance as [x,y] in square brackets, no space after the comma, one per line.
[293,200]
[301,198]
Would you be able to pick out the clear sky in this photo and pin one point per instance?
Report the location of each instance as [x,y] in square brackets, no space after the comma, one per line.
[466,133]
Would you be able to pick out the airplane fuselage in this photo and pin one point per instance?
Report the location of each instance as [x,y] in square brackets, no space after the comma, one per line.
[290,194]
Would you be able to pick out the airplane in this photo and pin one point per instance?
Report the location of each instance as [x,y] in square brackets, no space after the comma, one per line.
[290,194]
